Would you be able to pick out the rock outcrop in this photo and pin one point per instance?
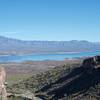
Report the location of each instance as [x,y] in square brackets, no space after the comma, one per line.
[76,84]
[91,63]
[3,93]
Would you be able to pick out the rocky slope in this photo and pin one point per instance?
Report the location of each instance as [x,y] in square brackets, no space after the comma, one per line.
[78,81]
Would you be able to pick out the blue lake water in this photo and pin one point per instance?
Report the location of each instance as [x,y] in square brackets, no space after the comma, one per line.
[41,57]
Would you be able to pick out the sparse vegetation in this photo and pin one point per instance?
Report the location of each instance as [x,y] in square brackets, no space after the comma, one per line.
[38,81]
[68,82]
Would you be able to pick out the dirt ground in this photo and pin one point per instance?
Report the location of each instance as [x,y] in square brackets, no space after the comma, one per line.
[19,71]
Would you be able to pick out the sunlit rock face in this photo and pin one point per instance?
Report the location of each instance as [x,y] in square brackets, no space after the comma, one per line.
[2,83]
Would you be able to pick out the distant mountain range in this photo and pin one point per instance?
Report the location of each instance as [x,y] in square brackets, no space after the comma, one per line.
[15,46]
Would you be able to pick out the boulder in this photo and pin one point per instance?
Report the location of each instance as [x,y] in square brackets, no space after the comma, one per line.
[97,58]
[91,63]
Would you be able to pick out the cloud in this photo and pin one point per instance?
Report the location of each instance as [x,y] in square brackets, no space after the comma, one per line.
[8,32]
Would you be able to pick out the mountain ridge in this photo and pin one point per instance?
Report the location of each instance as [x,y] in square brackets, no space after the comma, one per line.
[16,46]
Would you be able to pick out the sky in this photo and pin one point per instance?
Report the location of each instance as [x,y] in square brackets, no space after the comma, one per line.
[59,20]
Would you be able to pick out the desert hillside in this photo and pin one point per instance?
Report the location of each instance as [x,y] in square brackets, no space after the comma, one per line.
[72,81]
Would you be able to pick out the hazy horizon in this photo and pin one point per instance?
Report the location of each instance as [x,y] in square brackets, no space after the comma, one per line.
[45,40]
[52,20]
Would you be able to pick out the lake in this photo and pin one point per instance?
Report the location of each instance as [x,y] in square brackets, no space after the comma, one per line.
[40,57]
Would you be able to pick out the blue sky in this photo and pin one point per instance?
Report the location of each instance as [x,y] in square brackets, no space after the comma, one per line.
[50,19]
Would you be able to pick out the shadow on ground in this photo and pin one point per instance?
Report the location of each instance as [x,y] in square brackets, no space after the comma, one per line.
[79,80]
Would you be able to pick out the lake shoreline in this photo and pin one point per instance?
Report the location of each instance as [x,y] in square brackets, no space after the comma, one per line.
[58,56]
